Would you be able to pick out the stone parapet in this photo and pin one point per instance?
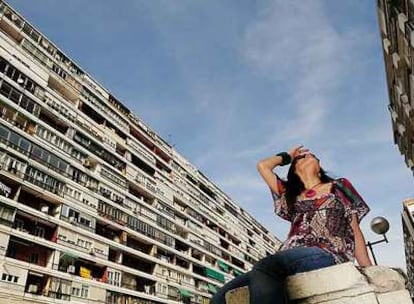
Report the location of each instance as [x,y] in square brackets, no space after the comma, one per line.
[346,284]
[340,284]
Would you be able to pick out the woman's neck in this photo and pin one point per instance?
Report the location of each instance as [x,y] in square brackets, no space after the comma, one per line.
[310,180]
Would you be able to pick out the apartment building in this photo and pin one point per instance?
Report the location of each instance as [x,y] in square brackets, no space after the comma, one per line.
[408,230]
[396,22]
[95,207]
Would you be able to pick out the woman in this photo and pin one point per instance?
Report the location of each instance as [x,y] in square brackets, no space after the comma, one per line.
[324,215]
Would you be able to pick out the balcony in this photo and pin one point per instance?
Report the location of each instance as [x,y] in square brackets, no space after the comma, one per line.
[99,104]
[112,195]
[34,226]
[27,251]
[111,233]
[82,243]
[44,181]
[44,285]
[140,245]
[77,266]
[112,213]
[138,284]
[59,108]
[78,219]
[12,165]
[58,82]
[138,263]
[146,183]
[141,151]
[113,297]
[114,177]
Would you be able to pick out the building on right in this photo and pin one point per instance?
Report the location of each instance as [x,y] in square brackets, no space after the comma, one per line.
[408,230]
[396,23]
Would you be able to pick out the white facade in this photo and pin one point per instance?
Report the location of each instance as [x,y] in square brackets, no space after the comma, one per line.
[95,207]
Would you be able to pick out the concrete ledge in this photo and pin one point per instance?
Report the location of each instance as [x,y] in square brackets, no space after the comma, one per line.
[368,298]
[345,295]
[400,297]
[384,279]
[340,284]
[347,284]
[326,280]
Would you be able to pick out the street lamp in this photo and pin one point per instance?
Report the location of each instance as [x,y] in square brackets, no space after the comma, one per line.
[380,226]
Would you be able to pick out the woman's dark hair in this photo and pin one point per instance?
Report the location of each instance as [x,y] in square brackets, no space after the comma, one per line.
[294,185]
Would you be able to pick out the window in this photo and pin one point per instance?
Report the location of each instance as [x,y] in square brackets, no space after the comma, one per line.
[75,291]
[5,89]
[15,96]
[25,145]
[39,231]
[4,133]
[114,278]
[14,139]
[6,213]
[3,65]
[18,224]
[34,258]
[85,291]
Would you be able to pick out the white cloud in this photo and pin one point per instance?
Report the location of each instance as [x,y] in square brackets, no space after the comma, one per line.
[294,43]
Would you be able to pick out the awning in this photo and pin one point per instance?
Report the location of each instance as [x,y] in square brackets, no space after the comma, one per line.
[214,274]
[67,254]
[237,272]
[212,288]
[185,293]
[223,266]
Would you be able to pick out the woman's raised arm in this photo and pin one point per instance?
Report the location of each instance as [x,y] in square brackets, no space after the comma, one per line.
[266,166]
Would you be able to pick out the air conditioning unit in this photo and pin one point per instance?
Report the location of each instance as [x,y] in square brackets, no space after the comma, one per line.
[92,251]
[32,288]
[71,269]
[72,219]
[44,209]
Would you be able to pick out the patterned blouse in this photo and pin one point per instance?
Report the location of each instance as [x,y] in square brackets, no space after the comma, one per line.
[323,221]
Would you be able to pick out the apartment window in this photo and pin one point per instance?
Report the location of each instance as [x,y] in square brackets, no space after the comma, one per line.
[9,278]
[4,133]
[75,291]
[18,224]
[3,65]
[85,291]
[39,231]
[34,258]
[60,289]
[5,89]
[6,213]
[43,180]
[114,278]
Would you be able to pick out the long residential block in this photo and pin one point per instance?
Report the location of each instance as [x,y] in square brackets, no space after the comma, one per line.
[95,207]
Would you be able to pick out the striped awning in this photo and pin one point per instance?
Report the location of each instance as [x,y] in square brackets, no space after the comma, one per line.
[214,274]
[185,293]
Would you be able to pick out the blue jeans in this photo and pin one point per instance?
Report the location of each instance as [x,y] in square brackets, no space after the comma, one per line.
[267,278]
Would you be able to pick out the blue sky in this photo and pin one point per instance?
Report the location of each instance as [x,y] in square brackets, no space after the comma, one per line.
[230,82]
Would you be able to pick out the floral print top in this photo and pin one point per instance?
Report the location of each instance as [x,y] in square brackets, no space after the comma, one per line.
[323,221]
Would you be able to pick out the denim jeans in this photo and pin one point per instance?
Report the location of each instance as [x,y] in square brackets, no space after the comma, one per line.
[267,278]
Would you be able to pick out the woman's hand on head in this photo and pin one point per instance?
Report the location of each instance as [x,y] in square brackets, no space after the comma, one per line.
[298,151]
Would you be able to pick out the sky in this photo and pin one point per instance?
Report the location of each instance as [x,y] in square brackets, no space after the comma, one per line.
[230,82]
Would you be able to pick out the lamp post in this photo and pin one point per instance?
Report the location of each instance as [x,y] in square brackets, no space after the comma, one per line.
[380,226]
